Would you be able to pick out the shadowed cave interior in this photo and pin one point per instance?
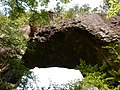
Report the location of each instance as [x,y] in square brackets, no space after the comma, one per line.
[65,49]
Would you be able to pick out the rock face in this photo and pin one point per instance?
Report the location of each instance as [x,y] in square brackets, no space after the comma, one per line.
[65,43]
[5,53]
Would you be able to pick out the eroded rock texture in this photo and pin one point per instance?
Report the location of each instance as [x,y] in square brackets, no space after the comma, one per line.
[64,43]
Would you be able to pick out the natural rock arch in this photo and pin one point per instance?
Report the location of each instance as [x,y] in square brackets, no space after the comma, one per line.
[65,43]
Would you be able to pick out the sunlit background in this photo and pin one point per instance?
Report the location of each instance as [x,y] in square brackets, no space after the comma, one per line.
[92,3]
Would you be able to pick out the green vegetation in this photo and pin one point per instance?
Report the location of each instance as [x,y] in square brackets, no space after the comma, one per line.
[76,11]
[99,76]
[13,41]
[114,8]
[11,37]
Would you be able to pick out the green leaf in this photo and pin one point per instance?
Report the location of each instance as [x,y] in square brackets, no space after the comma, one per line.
[117,61]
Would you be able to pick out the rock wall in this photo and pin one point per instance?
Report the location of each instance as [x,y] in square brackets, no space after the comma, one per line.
[63,44]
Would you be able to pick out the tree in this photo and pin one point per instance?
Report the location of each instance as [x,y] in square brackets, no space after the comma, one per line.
[106,2]
[12,47]
[114,7]
[16,7]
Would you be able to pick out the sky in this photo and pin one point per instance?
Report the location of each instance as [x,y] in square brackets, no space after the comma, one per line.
[92,3]
[49,77]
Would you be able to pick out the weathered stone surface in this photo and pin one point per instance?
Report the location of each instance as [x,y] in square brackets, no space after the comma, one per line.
[5,53]
[63,44]
[66,42]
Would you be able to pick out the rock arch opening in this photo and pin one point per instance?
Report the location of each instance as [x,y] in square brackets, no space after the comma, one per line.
[64,49]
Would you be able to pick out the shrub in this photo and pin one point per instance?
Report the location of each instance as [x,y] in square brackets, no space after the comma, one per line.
[98,76]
